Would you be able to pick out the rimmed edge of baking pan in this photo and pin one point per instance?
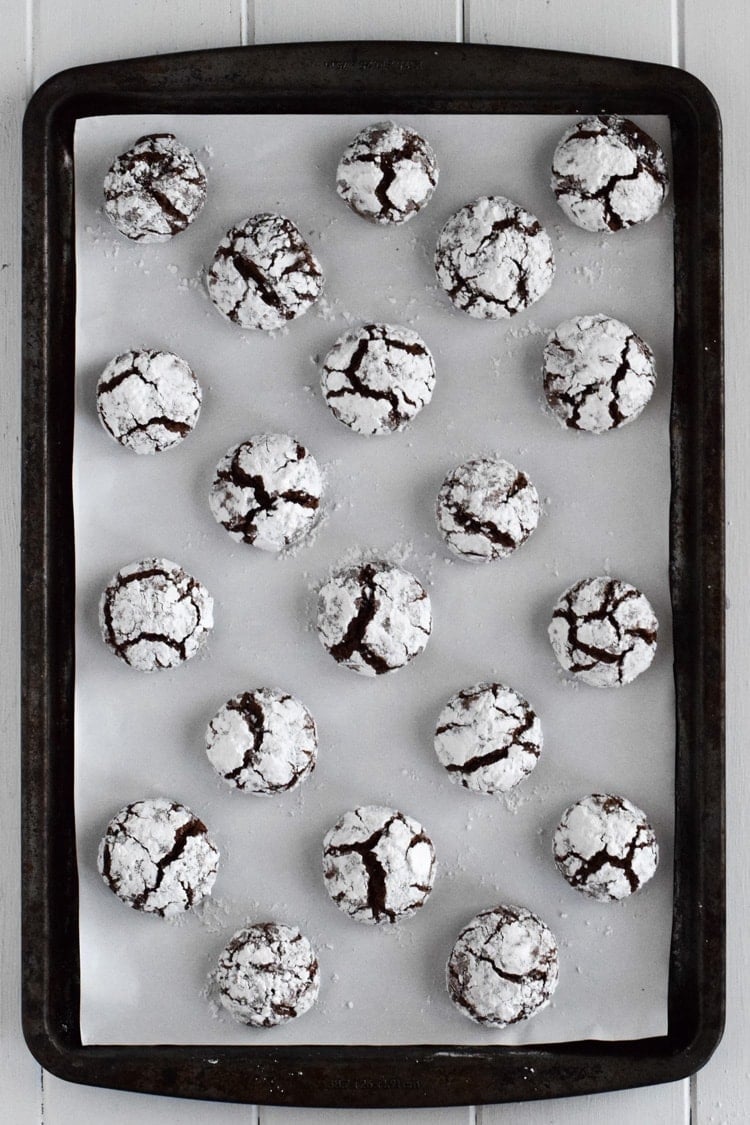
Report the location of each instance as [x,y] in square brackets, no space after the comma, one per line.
[359,78]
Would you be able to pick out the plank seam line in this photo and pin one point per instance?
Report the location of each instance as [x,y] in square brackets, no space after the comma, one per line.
[463,21]
[244,21]
[29,47]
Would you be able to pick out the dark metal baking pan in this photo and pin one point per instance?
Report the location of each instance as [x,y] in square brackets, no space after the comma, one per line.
[360,78]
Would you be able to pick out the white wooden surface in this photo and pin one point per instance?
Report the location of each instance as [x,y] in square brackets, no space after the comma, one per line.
[40,37]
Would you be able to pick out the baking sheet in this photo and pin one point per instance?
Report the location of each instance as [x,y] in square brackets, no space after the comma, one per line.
[606,503]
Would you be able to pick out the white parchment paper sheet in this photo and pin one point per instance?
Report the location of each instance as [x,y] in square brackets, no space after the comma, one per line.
[605,511]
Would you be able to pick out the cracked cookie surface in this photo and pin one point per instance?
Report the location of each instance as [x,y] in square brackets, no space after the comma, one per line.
[267,491]
[148,400]
[155,189]
[503,967]
[388,173]
[607,174]
[264,274]
[493,258]
[603,631]
[154,615]
[374,618]
[488,737]
[267,974]
[263,741]
[598,373]
[605,847]
[156,856]
[486,509]
[378,864]
[377,378]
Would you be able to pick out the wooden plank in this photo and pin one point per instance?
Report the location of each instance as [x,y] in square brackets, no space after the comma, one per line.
[454,1115]
[637,29]
[665,1105]
[66,1104]
[288,21]
[715,49]
[86,31]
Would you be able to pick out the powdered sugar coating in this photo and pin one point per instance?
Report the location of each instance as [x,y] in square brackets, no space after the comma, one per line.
[607,174]
[388,173]
[267,491]
[598,373]
[154,615]
[155,189]
[486,509]
[156,856]
[264,273]
[605,847]
[603,631]
[378,864]
[503,967]
[377,378]
[493,258]
[148,400]
[268,974]
[374,618]
[488,737]
[263,741]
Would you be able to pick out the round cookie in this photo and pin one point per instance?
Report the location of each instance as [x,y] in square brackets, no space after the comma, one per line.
[156,856]
[263,741]
[503,967]
[494,259]
[267,491]
[155,189]
[486,508]
[264,273]
[147,400]
[267,974]
[607,174]
[378,864]
[603,631]
[377,378]
[488,737]
[374,618]
[605,847]
[388,173]
[153,614]
[598,373]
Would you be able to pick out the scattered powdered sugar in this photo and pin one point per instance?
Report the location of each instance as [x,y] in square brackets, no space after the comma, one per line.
[605,847]
[157,857]
[378,864]
[486,508]
[488,737]
[376,379]
[263,741]
[267,974]
[148,400]
[155,189]
[388,173]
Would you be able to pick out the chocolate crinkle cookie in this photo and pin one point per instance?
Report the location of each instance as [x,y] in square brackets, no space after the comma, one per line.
[378,864]
[374,618]
[598,373]
[264,273]
[607,174]
[263,741]
[605,847]
[603,631]
[494,259]
[488,737]
[267,974]
[388,173]
[486,509]
[504,967]
[377,378]
[148,400]
[156,856]
[155,189]
[267,492]
[153,615]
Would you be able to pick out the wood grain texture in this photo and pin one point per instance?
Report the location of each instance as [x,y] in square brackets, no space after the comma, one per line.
[288,21]
[633,29]
[455,1115]
[657,1105]
[716,44]
[67,1104]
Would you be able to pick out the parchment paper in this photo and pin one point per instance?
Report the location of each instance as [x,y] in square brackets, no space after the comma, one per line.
[605,511]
